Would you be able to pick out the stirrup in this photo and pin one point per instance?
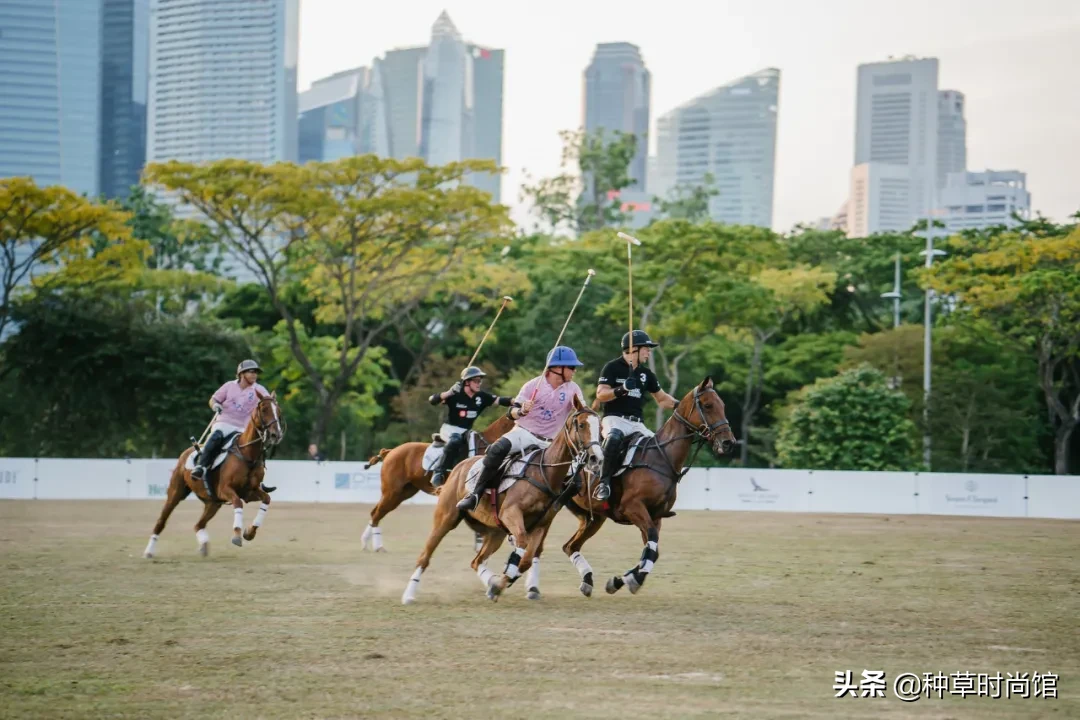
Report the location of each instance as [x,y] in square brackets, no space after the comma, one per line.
[602,491]
[198,472]
[438,479]
[470,501]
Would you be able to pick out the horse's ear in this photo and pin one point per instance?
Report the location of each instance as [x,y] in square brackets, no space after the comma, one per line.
[259,394]
[273,394]
[706,383]
[577,402]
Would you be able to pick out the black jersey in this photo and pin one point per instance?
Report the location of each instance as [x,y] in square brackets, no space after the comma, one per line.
[633,403]
[463,410]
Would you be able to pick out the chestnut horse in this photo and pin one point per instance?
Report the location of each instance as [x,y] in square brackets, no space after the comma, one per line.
[237,480]
[526,509]
[403,476]
[645,493]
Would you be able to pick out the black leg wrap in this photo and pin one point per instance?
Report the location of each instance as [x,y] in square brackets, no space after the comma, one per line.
[512,562]
[653,535]
[618,582]
[587,579]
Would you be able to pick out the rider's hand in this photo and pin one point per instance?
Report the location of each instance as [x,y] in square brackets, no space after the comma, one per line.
[525,408]
[631,383]
[456,388]
[218,408]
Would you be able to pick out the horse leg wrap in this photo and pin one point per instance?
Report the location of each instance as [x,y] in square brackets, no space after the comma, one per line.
[149,552]
[202,536]
[512,571]
[636,577]
[583,567]
[485,575]
[261,515]
[533,578]
[376,539]
[238,518]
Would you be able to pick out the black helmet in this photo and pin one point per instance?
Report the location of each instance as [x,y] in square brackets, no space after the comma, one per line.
[471,373]
[246,365]
[641,339]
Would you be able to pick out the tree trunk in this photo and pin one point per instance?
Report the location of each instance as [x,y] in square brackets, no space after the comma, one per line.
[671,370]
[1062,439]
[750,399]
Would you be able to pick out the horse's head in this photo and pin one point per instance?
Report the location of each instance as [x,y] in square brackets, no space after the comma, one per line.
[582,429]
[267,419]
[702,411]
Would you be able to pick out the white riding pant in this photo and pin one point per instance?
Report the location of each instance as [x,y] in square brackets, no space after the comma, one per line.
[520,438]
[225,428]
[626,426]
[447,430]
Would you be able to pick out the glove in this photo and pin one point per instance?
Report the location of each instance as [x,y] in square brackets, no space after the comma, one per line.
[620,391]
[435,399]
[218,408]
[456,387]
[631,383]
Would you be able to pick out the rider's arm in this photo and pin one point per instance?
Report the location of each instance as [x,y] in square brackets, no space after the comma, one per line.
[504,401]
[438,398]
[218,398]
[664,400]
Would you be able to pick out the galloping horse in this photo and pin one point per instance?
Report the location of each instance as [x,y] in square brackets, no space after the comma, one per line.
[527,508]
[239,477]
[646,492]
[403,475]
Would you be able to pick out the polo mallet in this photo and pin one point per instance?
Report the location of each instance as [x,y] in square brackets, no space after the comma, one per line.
[506,299]
[630,242]
[202,438]
[561,332]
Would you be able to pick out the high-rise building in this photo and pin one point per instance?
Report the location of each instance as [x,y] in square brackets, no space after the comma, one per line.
[444,101]
[896,132]
[880,199]
[616,92]
[729,133]
[223,80]
[952,135]
[50,88]
[343,115]
[975,200]
[124,78]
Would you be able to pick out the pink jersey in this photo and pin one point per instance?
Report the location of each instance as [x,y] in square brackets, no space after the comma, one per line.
[237,403]
[551,406]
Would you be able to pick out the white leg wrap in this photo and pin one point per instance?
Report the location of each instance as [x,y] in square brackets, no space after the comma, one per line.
[366,537]
[410,590]
[485,575]
[238,518]
[533,578]
[261,515]
[376,539]
[202,536]
[647,567]
[581,564]
[150,546]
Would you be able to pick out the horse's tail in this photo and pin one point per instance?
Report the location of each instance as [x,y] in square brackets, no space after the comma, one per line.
[376,459]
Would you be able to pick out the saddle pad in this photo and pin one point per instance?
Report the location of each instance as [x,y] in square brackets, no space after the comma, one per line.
[636,442]
[434,452]
[229,442]
[512,471]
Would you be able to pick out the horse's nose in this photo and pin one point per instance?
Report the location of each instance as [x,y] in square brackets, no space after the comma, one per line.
[727,445]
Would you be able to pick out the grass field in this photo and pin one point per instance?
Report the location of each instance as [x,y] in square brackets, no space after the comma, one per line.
[746,615]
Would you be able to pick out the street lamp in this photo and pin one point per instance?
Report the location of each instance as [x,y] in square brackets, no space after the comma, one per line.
[895,294]
[929,253]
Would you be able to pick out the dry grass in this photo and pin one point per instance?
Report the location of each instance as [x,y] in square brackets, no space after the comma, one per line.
[746,615]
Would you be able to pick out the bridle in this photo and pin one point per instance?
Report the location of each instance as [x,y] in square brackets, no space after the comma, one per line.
[263,431]
[704,430]
[578,451]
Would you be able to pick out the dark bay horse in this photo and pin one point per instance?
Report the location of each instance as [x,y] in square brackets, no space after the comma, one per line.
[645,493]
[525,510]
[403,476]
[237,480]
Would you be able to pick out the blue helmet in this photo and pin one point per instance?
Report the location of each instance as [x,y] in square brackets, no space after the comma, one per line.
[562,356]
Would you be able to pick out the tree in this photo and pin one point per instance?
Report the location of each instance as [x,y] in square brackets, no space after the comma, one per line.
[41,228]
[850,422]
[369,238]
[1027,285]
[688,202]
[584,196]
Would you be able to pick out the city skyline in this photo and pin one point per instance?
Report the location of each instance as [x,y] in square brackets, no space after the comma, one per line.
[1031,49]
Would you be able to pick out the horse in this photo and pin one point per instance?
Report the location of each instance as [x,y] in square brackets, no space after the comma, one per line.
[403,476]
[528,506]
[647,490]
[239,478]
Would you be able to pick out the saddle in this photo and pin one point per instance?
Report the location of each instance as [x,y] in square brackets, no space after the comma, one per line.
[512,469]
[632,444]
[230,440]
[434,451]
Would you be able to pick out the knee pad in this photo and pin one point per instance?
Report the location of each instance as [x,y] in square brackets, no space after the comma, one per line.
[614,438]
[497,452]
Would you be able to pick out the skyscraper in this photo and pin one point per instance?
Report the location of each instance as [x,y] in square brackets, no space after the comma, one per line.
[952,135]
[616,92]
[444,101]
[223,80]
[896,124]
[973,200]
[343,115]
[50,87]
[729,132]
[125,62]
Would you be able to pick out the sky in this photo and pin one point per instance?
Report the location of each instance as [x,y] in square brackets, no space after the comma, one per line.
[1018,64]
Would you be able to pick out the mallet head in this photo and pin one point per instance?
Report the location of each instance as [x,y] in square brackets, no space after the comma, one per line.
[629,238]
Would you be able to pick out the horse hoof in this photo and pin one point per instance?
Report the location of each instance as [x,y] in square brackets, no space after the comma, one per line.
[633,586]
[380,549]
[493,593]
[408,600]
[533,593]
[204,549]
[586,589]
[249,536]
[611,587]
[237,541]
[148,555]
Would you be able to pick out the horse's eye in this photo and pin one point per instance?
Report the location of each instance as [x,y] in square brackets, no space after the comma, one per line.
[708,406]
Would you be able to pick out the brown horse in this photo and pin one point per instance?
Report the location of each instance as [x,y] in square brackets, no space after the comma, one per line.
[239,478]
[526,509]
[645,493]
[403,476]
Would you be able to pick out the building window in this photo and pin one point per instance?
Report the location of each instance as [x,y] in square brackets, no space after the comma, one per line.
[974,208]
[995,208]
